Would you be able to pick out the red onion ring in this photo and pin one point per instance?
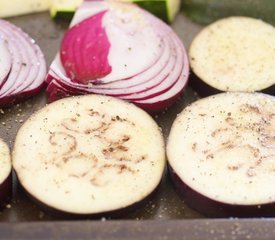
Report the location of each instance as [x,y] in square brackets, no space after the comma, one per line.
[28,66]
[154,88]
[5,61]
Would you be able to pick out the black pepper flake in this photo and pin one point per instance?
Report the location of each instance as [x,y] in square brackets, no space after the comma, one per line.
[111,149]
[122,148]
[126,138]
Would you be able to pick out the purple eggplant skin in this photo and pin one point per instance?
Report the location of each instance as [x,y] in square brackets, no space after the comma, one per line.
[6,191]
[215,209]
[118,213]
[205,90]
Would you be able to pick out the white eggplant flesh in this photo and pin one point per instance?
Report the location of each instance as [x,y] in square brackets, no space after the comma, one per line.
[221,152]
[89,155]
[5,173]
[234,54]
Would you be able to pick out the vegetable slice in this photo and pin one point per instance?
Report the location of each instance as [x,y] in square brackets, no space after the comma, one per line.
[28,67]
[145,56]
[19,7]
[5,62]
[221,152]
[97,156]
[164,9]
[5,174]
[234,54]
[77,43]
[64,9]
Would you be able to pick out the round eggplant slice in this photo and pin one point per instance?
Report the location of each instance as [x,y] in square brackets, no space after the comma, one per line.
[234,54]
[221,153]
[89,156]
[5,173]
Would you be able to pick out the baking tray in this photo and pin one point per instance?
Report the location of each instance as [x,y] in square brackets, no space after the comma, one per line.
[165,216]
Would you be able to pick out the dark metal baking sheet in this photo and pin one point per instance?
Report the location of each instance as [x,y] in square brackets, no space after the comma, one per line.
[165,216]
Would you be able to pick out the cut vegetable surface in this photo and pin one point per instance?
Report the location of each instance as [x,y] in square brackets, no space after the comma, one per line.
[234,54]
[22,65]
[64,9]
[5,173]
[164,9]
[120,50]
[221,152]
[78,67]
[97,156]
[18,7]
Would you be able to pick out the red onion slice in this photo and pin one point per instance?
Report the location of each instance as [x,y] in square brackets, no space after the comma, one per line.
[5,61]
[153,81]
[28,66]
[173,91]
[164,80]
[36,61]
[160,71]
[56,91]
[132,39]
[147,75]
[166,99]
[83,58]
[138,79]
[16,63]
[168,82]
[23,69]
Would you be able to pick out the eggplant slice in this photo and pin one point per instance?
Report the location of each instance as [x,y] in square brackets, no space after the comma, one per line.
[89,156]
[5,174]
[234,54]
[221,153]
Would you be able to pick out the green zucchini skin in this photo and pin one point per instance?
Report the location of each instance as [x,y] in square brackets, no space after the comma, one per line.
[66,15]
[159,8]
[155,7]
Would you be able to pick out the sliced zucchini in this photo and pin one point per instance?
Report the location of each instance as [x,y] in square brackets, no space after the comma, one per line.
[19,7]
[64,8]
[164,9]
